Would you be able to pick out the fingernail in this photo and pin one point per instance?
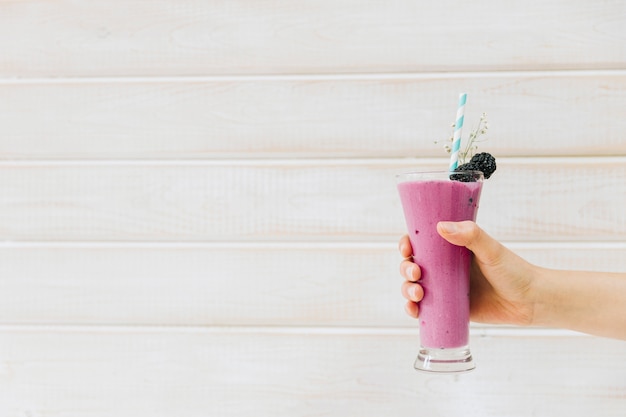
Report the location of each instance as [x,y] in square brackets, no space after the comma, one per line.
[448,227]
[409,272]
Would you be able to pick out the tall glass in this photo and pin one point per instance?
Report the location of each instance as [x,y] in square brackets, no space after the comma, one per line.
[427,198]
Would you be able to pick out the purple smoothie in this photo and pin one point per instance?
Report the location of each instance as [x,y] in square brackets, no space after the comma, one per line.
[444,310]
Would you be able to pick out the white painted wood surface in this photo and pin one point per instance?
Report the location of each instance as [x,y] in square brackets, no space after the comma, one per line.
[555,199]
[225,284]
[541,114]
[198,212]
[194,37]
[242,372]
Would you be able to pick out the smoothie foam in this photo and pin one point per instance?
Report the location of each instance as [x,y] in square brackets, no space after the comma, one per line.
[444,310]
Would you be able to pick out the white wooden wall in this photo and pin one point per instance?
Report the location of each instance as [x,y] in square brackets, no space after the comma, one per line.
[198,215]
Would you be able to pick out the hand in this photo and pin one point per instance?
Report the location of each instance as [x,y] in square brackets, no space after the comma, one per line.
[500,281]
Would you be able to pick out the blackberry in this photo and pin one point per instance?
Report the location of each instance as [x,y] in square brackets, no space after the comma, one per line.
[466,173]
[484,162]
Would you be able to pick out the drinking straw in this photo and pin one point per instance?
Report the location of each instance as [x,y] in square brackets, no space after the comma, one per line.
[458,125]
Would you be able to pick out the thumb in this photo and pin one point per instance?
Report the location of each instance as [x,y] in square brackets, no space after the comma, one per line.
[467,233]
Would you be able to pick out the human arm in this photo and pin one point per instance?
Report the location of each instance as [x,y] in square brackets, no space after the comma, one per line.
[589,302]
[506,289]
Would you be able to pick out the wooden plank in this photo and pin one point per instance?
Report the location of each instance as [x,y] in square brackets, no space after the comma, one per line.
[192,37]
[154,373]
[230,284]
[554,199]
[530,114]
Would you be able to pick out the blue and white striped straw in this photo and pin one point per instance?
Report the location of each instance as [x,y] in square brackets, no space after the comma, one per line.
[458,126]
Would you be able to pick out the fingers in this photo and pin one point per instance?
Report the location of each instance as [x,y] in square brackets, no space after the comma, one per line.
[412,291]
[411,309]
[468,234]
[410,271]
[405,247]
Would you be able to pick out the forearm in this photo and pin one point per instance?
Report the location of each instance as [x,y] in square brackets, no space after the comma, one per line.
[589,302]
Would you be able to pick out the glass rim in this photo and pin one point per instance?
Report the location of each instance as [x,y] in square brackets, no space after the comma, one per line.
[436,174]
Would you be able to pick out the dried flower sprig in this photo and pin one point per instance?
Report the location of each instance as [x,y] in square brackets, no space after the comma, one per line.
[471,147]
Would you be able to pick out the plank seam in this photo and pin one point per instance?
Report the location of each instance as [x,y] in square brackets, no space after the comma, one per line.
[476,331]
[287,245]
[316,77]
[303,162]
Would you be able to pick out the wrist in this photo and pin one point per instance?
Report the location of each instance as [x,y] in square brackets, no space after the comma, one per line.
[553,304]
[541,303]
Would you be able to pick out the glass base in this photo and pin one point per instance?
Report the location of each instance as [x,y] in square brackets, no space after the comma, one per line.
[444,360]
